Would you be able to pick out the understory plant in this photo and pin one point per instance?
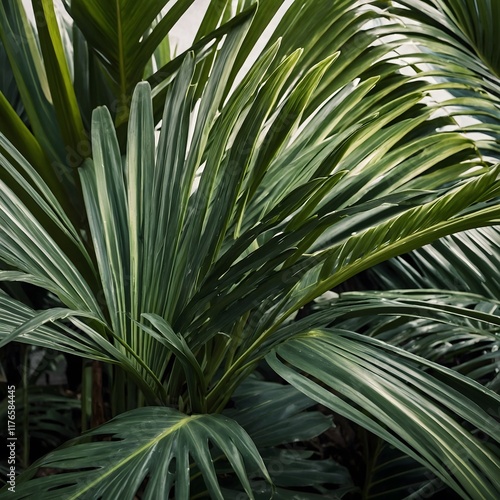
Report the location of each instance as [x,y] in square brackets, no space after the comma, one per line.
[310,190]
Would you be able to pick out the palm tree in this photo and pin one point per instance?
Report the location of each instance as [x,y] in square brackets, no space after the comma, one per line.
[179,211]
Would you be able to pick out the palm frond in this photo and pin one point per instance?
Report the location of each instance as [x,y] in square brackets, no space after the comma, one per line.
[455,329]
[25,59]
[157,456]
[465,262]
[115,34]
[383,389]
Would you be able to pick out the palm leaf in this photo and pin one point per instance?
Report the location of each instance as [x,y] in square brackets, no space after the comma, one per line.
[256,201]
[22,324]
[466,27]
[58,77]
[114,33]
[465,261]
[8,86]
[177,345]
[13,117]
[345,259]
[25,59]
[125,37]
[456,329]
[27,246]
[14,315]
[408,408]
[287,422]
[158,454]
[50,415]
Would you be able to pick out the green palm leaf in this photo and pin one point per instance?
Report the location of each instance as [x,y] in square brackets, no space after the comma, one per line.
[408,408]
[455,329]
[50,415]
[286,422]
[27,246]
[114,31]
[15,315]
[165,449]
[465,261]
[58,76]
[125,36]
[19,42]
[467,28]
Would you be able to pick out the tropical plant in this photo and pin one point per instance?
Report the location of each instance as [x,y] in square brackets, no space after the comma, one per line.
[176,213]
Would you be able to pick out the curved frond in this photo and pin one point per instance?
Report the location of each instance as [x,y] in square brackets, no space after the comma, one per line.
[466,261]
[465,27]
[383,389]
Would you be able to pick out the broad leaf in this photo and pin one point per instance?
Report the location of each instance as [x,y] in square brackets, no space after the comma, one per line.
[151,449]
